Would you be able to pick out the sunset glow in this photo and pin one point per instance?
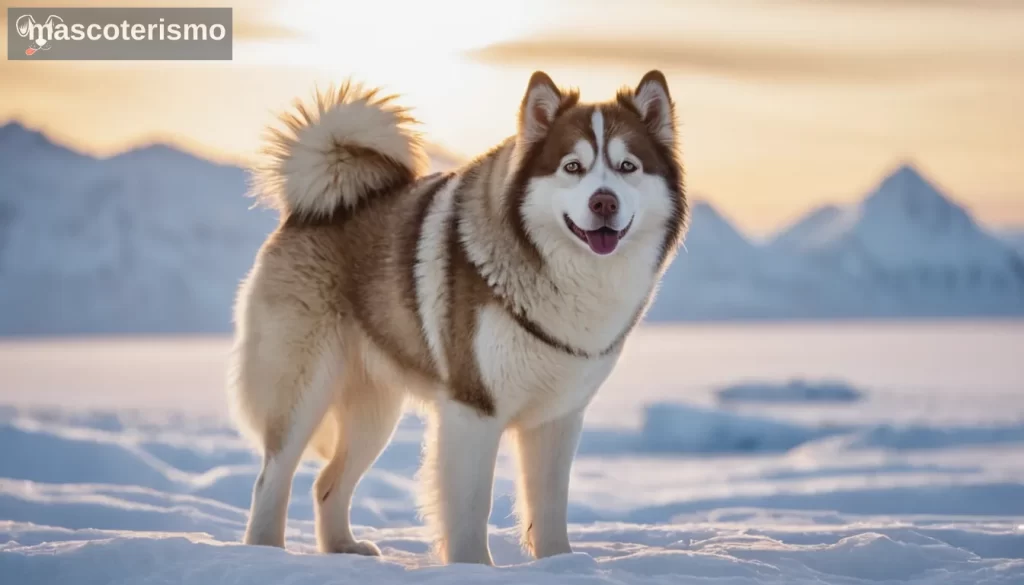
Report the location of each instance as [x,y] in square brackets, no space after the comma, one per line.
[783,105]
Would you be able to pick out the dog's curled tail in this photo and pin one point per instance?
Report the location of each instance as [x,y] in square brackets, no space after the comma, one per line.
[349,143]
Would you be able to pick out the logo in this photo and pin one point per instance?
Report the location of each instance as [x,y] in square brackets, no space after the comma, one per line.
[119,34]
[27,27]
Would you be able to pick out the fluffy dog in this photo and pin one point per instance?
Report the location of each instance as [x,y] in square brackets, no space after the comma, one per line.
[497,297]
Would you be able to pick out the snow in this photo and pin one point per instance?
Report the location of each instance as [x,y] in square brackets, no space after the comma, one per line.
[816,226]
[791,391]
[153,240]
[906,225]
[119,466]
[1013,238]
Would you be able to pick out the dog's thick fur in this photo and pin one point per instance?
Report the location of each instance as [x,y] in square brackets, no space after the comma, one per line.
[498,297]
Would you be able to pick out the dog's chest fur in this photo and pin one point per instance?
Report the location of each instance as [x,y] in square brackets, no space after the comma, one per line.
[531,381]
[552,359]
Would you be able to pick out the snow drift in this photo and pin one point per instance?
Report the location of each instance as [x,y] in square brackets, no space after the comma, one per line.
[793,391]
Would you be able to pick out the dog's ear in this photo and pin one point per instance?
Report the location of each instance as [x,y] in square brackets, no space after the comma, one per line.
[539,107]
[652,100]
[24,23]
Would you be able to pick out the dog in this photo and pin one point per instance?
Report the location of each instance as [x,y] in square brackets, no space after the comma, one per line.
[496,298]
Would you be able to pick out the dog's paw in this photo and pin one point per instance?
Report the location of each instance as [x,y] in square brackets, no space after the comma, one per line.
[361,547]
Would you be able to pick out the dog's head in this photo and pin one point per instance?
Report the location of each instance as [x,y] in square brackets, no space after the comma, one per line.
[598,179]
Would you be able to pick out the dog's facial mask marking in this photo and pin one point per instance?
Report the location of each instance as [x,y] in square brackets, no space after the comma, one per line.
[596,173]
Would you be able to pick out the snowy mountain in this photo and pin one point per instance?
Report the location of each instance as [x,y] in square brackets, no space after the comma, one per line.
[714,275]
[908,242]
[152,240]
[811,228]
[1013,238]
[905,250]
[155,240]
[905,224]
[710,231]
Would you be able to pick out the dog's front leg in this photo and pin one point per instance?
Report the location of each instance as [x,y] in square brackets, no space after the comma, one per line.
[459,475]
[546,453]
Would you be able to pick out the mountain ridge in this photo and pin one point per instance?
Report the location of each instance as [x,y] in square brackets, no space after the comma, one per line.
[155,240]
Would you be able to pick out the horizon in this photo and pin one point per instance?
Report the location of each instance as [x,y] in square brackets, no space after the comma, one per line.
[783,106]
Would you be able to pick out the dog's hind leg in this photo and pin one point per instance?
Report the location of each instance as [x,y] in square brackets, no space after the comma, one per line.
[366,417]
[285,382]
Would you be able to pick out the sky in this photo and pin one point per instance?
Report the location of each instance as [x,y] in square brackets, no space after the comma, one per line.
[783,105]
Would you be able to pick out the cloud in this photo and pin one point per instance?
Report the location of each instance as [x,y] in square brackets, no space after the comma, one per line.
[748,60]
[970,5]
[813,41]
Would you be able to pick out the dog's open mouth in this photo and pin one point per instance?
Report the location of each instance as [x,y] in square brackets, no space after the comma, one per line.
[603,240]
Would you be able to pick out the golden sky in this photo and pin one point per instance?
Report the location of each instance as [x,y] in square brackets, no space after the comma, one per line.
[784,104]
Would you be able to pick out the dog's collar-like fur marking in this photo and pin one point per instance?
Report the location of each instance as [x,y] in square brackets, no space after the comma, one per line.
[538,331]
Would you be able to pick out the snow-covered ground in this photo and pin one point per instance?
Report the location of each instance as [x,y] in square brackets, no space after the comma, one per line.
[117,465]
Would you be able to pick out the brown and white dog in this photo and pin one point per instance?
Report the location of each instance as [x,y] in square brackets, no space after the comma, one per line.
[497,297]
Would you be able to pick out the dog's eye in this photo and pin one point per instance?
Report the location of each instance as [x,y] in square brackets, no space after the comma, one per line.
[573,168]
[626,167]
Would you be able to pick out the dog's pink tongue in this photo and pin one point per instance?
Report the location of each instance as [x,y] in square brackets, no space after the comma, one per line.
[602,241]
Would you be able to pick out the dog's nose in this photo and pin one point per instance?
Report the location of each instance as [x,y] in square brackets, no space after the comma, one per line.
[604,203]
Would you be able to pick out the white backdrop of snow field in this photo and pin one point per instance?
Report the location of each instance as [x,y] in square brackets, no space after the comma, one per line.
[850,454]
